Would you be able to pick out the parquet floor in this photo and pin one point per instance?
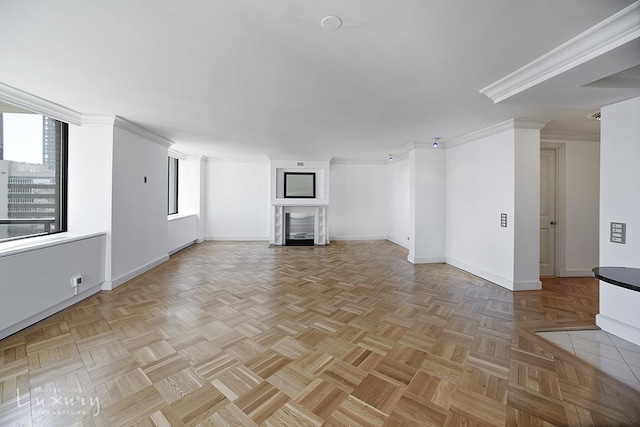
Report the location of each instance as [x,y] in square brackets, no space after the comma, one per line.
[239,334]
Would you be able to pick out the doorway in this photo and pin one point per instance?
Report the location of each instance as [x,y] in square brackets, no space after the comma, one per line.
[548,214]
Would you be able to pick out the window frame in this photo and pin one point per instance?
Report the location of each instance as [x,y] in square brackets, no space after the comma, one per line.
[175,185]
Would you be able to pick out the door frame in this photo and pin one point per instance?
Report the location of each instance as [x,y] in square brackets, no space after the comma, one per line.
[560,229]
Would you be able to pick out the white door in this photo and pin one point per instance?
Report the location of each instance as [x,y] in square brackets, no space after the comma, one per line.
[547,212]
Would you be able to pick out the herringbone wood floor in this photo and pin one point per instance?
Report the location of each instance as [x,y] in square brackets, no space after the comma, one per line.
[241,334]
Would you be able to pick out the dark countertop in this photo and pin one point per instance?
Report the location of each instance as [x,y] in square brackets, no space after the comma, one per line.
[620,276]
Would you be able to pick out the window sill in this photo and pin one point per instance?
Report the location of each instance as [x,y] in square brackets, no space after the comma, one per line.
[179,216]
[34,243]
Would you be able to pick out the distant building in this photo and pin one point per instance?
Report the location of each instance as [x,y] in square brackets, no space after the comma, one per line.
[27,192]
[49,142]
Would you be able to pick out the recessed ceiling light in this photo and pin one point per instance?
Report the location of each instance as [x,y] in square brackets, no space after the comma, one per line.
[331,22]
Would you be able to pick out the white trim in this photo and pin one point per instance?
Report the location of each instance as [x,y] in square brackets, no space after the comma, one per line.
[173,251]
[135,273]
[14,247]
[343,161]
[559,136]
[603,37]
[425,260]
[334,238]
[486,132]
[18,98]
[176,154]
[575,272]
[500,281]
[134,128]
[238,238]
[398,242]
[237,160]
[507,125]
[421,145]
[301,158]
[48,312]
[619,329]
[97,120]
[535,285]
[178,216]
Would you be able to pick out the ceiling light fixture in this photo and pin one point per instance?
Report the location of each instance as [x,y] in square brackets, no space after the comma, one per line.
[331,23]
[435,142]
[390,158]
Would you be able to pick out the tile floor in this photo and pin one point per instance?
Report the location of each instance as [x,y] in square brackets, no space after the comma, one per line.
[613,355]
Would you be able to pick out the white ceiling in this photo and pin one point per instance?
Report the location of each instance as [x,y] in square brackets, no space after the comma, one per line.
[249,78]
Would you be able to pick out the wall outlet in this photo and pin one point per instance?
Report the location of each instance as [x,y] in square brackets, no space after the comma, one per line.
[76,281]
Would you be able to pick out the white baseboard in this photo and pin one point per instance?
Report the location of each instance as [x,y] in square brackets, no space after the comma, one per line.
[501,281]
[181,247]
[358,237]
[425,260]
[575,272]
[238,238]
[138,271]
[48,312]
[619,329]
[534,285]
[398,242]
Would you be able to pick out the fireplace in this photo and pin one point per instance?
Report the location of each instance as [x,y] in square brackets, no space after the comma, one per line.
[297,225]
[299,229]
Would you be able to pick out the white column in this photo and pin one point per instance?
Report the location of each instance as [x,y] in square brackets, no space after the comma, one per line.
[427,204]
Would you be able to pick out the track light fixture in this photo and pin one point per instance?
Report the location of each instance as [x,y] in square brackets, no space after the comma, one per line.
[390,158]
[435,142]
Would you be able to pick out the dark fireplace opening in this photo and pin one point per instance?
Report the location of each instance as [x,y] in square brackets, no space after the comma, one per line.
[299,229]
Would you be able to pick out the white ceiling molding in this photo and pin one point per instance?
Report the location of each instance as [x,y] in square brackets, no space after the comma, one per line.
[482,133]
[177,154]
[196,157]
[552,136]
[18,98]
[140,131]
[420,145]
[237,160]
[609,34]
[530,123]
[302,158]
[97,120]
[345,161]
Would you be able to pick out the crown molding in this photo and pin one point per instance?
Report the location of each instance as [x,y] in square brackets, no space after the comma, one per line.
[237,160]
[482,133]
[535,124]
[177,154]
[603,37]
[16,97]
[554,135]
[301,158]
[197,157]
[423,145]
[345,161]
[125,124]
[97,120]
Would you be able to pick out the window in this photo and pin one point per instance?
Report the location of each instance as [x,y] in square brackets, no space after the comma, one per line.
[173,186]
[33,164]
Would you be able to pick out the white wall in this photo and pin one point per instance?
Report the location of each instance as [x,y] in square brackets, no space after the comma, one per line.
[359,200]
[191,190]
[139,209]
[238,201]
[37,283]
[480,183]
[398,178]
[582,198]
[620,202]
[182,231]
[526,219]
[427,210]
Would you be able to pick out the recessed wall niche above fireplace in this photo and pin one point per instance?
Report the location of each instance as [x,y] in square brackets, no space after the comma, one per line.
[299,201]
